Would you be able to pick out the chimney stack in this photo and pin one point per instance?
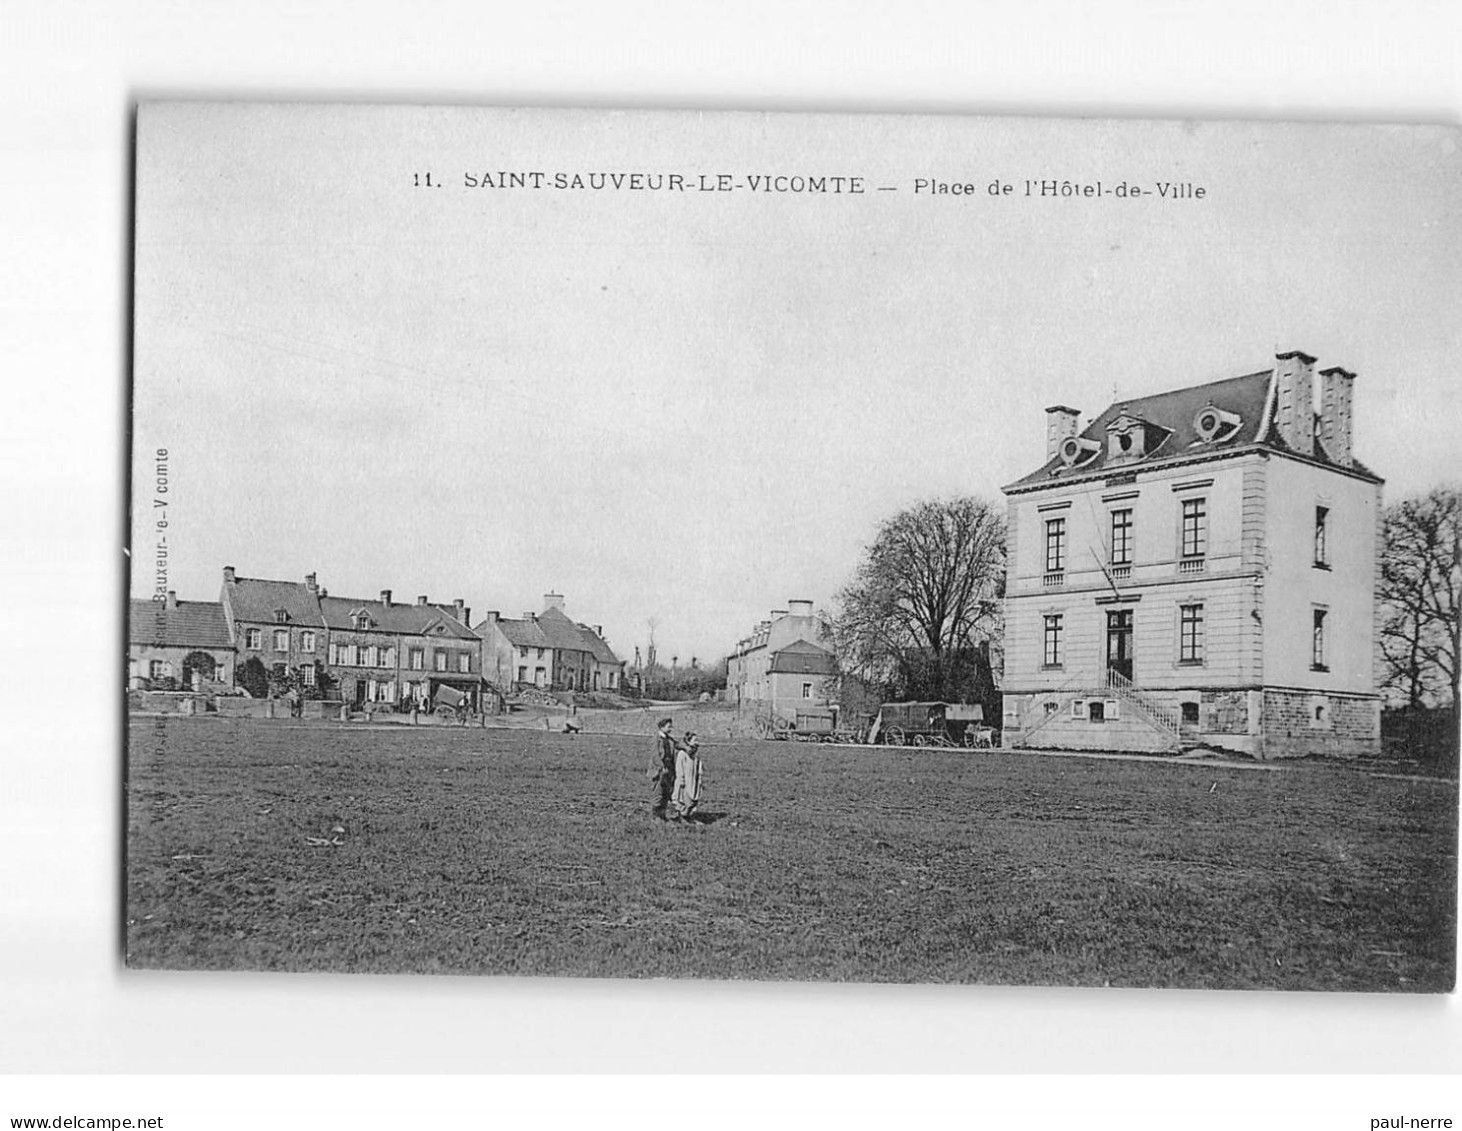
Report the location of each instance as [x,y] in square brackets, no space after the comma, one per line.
[493,616]
[386,597]
[1294,402]
[552,601]
[1337,393]
[599,631]
[311,584]
[422,600]
[778,614]
[172,602]
[800,608]
[228,575]
[459,610]
[1060,423]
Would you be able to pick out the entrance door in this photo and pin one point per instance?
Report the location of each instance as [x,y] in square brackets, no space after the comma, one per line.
[1119,642]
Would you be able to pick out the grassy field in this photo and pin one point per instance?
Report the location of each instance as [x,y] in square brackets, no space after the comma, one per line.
[513,852]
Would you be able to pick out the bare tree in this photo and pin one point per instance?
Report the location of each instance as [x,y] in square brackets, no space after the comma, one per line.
[925,602]
[1421,584]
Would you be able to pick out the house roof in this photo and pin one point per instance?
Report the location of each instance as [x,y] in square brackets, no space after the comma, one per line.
[188,624]
[553,629]
[1246,397]
[802,657]
[256,599]
[522,633]
[403,619]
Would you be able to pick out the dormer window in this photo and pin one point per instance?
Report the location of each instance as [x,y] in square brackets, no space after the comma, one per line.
[281,616]
[1127,439]
[1213,424]
[1076,451]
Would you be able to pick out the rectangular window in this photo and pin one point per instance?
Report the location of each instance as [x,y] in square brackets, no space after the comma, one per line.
[1317,642]
[464,661]
[807,691]
[1190,634]
[1122,537]
[523,651]
[388,657]
[1322,523]
[281,640]
[540,654]
[157,669]
[1195,528]
[523,675]
[1055,545]
[253,638]
[439,661]
[307,675]
[334,653]
[418,659]
[370,657]
[1096,710]
[307,641]
[1053,642]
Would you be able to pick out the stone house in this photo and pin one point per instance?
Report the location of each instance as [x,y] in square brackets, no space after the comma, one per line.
[390,652]
[278,623]
[784,665]
[178,645]
[549,650]
[1198,567]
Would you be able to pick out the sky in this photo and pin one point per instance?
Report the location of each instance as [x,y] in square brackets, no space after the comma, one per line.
[689,407]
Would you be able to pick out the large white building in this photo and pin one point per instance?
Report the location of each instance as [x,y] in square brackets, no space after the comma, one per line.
[1198,567]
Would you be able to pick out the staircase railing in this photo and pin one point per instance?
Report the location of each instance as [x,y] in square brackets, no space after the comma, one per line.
[1160,717]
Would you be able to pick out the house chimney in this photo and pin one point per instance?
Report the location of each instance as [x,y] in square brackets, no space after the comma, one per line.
[421,600]
[1337,392]
[493,616]
[777,614]
[800,608]
[599,631]
[172,602]
[530,616]
[553,601]
[311,584]
[1294,401]
[228,575]
[1060,423]
[459,610]
[386,597]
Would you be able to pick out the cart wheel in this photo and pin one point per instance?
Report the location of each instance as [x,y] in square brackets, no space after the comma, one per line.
[969,741]
[763,728]
[894,736]
[921,740]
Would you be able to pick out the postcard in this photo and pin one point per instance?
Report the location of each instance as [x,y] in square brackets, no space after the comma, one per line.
[795,547]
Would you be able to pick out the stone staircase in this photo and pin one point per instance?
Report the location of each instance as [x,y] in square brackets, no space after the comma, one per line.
[1154,714]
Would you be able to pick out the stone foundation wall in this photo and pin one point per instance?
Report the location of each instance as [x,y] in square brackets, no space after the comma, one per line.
[1297,724]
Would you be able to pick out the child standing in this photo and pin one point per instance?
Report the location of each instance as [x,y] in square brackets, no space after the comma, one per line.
[687,793]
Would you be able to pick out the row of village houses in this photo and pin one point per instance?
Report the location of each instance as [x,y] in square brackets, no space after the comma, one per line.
[376,650]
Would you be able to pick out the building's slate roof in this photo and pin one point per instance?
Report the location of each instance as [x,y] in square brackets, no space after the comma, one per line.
[802,657]
[553,629]
[520,633]
[1249,397]
[189,624]
[562,633]
[402,619]
[257,600]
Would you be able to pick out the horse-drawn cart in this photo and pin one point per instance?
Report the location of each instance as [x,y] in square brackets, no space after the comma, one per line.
[807,726]
[934,724]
